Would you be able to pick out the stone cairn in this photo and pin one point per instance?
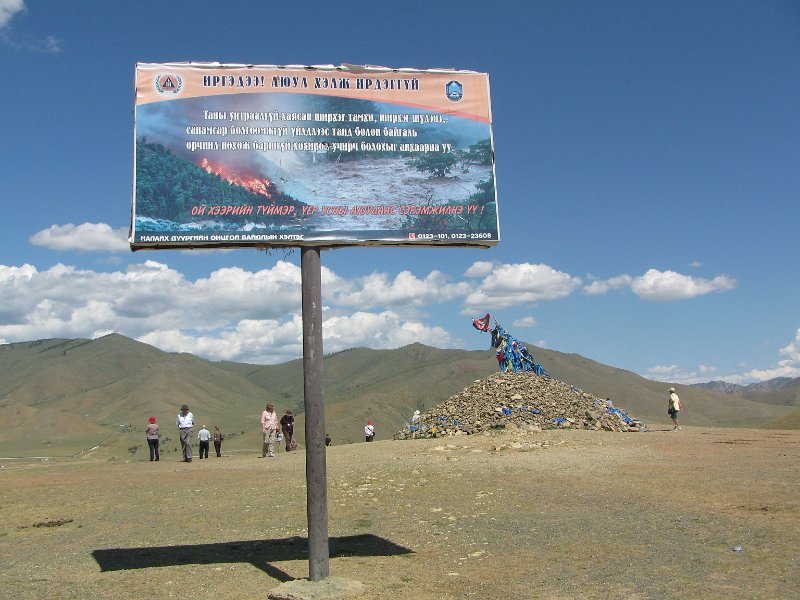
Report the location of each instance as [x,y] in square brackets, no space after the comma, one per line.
[526,401]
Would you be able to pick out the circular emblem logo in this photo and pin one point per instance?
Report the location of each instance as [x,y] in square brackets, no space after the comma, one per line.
[454,90]
[168,84]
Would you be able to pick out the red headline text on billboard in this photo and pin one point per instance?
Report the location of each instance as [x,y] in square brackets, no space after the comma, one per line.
[233,156]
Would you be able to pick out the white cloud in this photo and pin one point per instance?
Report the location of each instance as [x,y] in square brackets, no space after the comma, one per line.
[661,286]
[695,264]
[668,286]
[792,351]
[67,302]
[525,322]
[405,289]
[379,330]
[603,286]
[273,342]
[663,370]
[259,342]
[86,237]
[232,314]
[480,268]
[9,8]
[518,284]
[676,374]
[788,367]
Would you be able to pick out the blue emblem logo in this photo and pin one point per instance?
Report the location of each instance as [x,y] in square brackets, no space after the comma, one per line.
[454,90]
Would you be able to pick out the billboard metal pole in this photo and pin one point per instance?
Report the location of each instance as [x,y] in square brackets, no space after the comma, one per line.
[316,475]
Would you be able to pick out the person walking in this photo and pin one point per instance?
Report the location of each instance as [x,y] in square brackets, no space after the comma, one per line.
[287,427]
[185,423]
[269,426]
[369,431]
[152,438]
[218,437]
[675,408]
[203,436]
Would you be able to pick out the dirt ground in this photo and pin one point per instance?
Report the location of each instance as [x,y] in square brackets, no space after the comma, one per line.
[711,513]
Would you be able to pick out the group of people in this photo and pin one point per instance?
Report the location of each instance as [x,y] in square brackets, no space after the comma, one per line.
[274,430]
[185,423]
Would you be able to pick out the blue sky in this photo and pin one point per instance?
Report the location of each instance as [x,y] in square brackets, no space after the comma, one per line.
[647,161]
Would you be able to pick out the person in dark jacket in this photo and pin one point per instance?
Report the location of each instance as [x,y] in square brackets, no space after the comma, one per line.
[287,427]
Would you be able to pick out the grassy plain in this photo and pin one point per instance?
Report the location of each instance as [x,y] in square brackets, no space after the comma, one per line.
[711,513]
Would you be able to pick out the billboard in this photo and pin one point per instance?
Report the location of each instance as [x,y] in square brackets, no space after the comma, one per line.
[268,156]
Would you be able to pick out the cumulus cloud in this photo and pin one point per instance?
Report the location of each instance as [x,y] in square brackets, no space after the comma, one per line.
[480,268]
[525,322]
[386,329]
[676,374]
[661,286]
[517,284]
[232,314]
[787,367]
[259,342]
[669,286]
[405,289]
[663,370]
[86,237]
[67,302]
[792,351]
[9,8]
[603,286]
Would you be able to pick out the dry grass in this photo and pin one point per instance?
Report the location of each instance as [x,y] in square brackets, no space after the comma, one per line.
[559,514]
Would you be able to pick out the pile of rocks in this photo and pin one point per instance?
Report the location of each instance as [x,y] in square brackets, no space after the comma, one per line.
[518,400]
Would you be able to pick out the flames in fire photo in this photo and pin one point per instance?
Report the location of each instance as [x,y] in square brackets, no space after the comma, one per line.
[257,185]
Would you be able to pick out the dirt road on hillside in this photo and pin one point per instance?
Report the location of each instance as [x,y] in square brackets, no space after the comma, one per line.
[711,513]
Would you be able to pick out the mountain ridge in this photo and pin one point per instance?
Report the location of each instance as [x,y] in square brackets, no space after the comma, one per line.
[67,395]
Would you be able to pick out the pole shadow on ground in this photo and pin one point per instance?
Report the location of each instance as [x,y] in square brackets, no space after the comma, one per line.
[259,553]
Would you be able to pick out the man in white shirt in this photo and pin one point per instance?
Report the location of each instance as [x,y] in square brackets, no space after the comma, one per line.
[203,436]
[185,423]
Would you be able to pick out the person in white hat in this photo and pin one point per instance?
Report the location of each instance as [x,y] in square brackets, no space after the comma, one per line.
[414,423]
[674,408]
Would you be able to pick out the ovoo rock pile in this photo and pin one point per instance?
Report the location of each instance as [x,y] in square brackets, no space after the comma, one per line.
[525,400]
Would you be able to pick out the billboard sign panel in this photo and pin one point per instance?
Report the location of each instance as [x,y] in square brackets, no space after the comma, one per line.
[267,156]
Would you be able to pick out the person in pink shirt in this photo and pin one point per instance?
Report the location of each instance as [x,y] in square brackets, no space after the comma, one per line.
[269,427]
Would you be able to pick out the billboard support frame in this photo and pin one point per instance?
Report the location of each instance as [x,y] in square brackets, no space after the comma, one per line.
[314,405]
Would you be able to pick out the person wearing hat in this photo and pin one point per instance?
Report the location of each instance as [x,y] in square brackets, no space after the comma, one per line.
[414,423]
[287,427]
[185,423]
[152,438]
[674,408]
[369,431]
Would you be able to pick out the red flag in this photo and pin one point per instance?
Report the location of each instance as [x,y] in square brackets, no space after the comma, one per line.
[482,324]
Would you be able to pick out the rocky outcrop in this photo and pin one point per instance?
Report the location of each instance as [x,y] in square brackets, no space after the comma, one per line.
[519,400]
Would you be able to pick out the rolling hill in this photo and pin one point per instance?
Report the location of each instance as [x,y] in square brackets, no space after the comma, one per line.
[61,397]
